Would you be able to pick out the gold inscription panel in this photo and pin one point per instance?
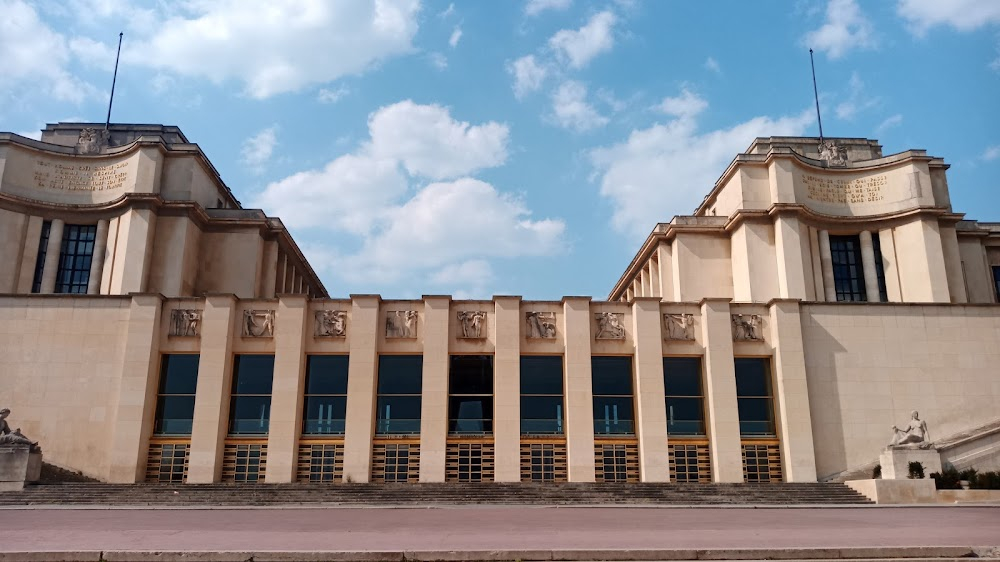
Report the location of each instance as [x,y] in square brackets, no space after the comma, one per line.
[831,190]
[80,177]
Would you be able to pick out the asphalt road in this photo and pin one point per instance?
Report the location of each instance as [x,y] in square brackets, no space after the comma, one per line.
[489,528]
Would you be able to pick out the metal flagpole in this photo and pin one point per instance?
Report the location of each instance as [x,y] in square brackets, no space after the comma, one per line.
[115,79]
[815,93]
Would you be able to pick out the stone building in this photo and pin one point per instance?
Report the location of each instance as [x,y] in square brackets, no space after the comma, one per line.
[153,330]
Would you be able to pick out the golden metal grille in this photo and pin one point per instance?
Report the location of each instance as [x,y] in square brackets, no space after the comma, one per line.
[690,462]
[616,462]
[167,462]
[761,462]
[469,462]
[244,462]
[543,462]
[395,462]
[320,462]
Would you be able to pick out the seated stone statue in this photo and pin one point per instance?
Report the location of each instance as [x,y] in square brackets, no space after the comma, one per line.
[915,434]
[15,437]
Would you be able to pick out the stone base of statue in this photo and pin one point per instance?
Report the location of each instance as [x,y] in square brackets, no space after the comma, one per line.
[19,465]
[896,459]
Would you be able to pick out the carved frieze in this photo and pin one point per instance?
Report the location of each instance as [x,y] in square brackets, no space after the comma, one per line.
[540,325]
[185,322]
[834,154]
[91,141]
[747,327]
[258,323]
[678,326]
[330,324]
[472,324]
[610,326]
[401,324]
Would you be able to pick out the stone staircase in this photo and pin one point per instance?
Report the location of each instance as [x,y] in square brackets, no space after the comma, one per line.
[433,494]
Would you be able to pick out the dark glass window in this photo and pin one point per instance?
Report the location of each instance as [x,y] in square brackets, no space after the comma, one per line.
[175,396]
[74,258]
[883,293]
[612,385]
[753,397]
[848,276]
[996,280]
[43,247]
[685,401]
[470,394]
[398,401]
[324,407]
[250,402]
[541,394]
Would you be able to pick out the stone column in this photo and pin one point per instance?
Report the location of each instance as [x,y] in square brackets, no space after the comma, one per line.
[720,392]
[362,377]
[788,242]
[798,457]
[826,262]
[576,325]
[287,388]
[868,266]
[434,396]
[52,251]
[97,259]
[507,390]
[215,378]
[29,257]
[651,411]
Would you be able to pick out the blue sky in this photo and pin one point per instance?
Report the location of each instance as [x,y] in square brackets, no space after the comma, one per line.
[518,147]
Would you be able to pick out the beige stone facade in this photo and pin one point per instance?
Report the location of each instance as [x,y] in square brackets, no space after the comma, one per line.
[846,283]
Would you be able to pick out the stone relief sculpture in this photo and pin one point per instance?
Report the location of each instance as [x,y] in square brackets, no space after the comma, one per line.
[15,437]
[541,325]
[91,140]
[833,154]
[679,326]
[746,327]
[913,436]
[610,326]
[472,323]
[258,323]
[330,324]
[401,324]
[184,322]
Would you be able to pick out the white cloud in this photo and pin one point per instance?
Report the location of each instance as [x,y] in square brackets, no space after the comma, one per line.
[858,99]
[991,153]
[257,150]
[535,7]
[665,169]
[571,110]
[438,61]
[580,46]
[277,47]
[528,75]
[431,144]
[447,12]
[845,28]
[686,105]
[713,65]
[963,15]
[327,95]
[456,36]
[888,123]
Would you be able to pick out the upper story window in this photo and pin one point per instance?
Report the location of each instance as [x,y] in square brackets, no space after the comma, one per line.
[470,394]
[996,280]
[325,404]
[684,398]
[848,276]
[541,395]
[43,247]
[612,385]
[74,258]
[175,395]
[883,293]
[250,402]
[398,400]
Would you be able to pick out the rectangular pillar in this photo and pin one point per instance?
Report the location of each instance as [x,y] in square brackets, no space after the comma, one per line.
[52,251]
[889,265]
[579,388]
[507,390]
[97,258]
[287,388]
[868,266]
[720,391]
[134,252]
[362,379]
[826,262]
[651,411]
[817,268]
[788,243]
[29,255]
[434,396]
[798,457]
[215,377]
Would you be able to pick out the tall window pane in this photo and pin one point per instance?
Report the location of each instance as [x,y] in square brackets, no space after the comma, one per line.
[541,395]
[996,280]
[753,397]
[470,394]
[398,401]
[250,402]
[324,407]
[848,276]
[612,385]
[74,258]
[684,398]
[883,293]
[175,395]
[43,247]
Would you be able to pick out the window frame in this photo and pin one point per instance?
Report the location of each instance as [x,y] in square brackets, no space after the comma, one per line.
[768,362]
[379,420]
[234,397]
[489,419]
[306,395]
[596,397]
[73,271]
[700,397]
[843,247]
[161,395]
[43,250]
[561,411]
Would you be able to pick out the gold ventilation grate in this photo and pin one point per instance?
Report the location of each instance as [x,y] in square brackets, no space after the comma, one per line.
[690,462]
[244,462]
[167,462]
[543,462]
[395,462]
[761,462]
[320,462]
[469,462]
[616,462]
